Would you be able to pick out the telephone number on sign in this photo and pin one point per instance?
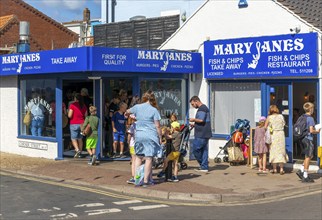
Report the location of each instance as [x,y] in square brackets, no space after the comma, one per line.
[306,71]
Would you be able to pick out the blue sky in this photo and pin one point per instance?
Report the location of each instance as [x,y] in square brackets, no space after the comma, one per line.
[68,10]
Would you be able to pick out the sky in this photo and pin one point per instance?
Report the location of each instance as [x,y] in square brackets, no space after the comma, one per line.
[70,10]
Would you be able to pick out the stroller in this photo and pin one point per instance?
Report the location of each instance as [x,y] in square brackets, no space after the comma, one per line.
[185,134]
[236,141]
[224,150]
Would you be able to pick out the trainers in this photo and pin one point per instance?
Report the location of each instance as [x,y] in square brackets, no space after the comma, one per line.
[173,179]
[90,162]
[161,174]
[307,180]
[77,154]
[93,159]
[122,156]
[201,170]
[113,155]
[131,181]
[299,173]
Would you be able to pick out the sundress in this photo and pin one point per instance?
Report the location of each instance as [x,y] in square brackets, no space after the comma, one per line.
[277,152]
[147,142]
[259,142]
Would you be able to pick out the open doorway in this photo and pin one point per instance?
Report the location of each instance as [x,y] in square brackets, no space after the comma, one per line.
[70,88]
[303,92]
[115,91]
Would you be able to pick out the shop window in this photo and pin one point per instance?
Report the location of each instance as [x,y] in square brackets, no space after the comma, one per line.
[232,101]
[170,95]
[38,101]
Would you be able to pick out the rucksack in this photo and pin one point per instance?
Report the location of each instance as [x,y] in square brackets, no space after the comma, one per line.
[300,129]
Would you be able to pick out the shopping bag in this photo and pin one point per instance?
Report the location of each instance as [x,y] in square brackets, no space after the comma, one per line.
[268,137]
[27,118]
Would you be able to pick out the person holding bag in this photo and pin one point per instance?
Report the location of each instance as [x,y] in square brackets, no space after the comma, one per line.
[91,121]
[277,155]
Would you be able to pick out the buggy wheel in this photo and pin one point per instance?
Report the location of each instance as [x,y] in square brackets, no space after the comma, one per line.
[217,160]
[225,159]
[184,166]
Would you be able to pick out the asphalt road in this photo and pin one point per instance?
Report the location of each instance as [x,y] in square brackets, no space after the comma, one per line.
[30,198]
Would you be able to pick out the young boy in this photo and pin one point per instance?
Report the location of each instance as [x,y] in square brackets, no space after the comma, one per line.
[173,156]
[307,142]
[91,140]
[118,125]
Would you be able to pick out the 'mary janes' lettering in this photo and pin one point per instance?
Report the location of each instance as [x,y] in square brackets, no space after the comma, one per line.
[162,55]
[265,47]
[33,57]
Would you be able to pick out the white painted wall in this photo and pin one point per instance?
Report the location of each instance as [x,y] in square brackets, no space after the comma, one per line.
[9,123]
[218,19]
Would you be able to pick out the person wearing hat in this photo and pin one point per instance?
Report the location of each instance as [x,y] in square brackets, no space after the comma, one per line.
[87,100]
[260,146]
[91,139]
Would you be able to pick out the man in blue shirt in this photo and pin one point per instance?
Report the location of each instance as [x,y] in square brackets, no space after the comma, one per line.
[203,133]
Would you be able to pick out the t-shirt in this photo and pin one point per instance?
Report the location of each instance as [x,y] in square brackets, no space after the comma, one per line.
[203,129]
[176,140]
[119,122]
[132,132]
[309,122]
[78,113]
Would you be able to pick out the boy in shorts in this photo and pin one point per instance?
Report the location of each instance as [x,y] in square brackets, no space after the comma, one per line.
[307,142]
[174,155]
[91,140]
[119,125]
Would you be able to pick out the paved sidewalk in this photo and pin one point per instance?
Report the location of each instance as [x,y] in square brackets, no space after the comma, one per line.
[223,183]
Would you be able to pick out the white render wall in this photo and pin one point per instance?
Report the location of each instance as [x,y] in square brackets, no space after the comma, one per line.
[218,19]
[9,124]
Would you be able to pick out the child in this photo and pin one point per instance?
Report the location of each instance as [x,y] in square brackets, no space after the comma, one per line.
[173,156]
[91,140]
[307,143]
[118,125]
[260,145]
[131,143]
[174,122]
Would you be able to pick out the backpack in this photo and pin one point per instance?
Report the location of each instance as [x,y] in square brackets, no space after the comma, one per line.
[300,129]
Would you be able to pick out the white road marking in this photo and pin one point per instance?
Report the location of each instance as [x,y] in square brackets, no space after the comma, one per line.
[136,208]
[45,210]
[27,211]
[127,202]
[63,216]
[102,211]
[89,205]
[56,208]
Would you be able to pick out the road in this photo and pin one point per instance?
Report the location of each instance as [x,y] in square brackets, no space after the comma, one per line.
[32,198]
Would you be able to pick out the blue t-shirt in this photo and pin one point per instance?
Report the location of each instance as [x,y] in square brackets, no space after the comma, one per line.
[309,122]
[203,129]
[119,122]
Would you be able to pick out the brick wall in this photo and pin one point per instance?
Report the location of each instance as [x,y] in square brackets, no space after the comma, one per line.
[46,33]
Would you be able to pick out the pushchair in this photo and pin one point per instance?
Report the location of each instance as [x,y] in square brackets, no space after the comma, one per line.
[235,142]
[224,150]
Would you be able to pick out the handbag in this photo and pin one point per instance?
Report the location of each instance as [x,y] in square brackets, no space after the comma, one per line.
[268,137]
[88,130]
[27,118]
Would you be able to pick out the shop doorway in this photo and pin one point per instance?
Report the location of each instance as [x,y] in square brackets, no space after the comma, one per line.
[115,90]
[303,92]
[70,87]
[279,95]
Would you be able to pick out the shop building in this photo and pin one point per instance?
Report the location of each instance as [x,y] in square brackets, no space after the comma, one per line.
[254,56]
[45,78]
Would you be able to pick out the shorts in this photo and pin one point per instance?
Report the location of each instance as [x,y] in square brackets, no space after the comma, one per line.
[75,131]
[132,150]
[91,143]
[118,136]
[174,155]
[308,147]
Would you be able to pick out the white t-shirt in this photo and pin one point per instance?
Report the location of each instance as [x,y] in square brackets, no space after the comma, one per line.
[132,132]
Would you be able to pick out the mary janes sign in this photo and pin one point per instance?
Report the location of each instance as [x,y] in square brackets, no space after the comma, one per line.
[282,56]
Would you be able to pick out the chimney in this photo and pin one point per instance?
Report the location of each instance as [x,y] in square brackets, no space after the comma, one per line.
[23,45]
[86,15]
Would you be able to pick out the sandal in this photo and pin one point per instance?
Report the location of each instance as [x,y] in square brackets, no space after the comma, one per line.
[282,172]
[273,171]
[260,170]
[264,171]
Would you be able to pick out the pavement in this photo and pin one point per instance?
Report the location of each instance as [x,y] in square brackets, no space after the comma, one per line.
[222,184]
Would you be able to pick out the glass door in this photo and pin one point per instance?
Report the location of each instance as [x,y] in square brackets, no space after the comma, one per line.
[280,95]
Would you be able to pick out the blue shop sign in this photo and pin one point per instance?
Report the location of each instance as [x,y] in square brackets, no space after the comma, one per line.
[87,59]
[281,56]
